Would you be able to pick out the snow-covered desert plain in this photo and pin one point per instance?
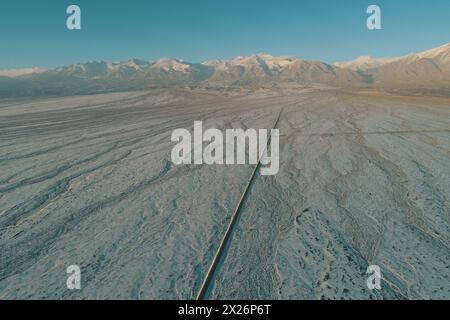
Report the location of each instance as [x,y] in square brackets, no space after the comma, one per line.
[364,180]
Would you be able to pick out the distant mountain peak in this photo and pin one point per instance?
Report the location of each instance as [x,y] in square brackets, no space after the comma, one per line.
[13,73]
[436,53]
[365,63]
[172,65]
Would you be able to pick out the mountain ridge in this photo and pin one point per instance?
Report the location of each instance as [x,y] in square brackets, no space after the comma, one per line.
[428,70]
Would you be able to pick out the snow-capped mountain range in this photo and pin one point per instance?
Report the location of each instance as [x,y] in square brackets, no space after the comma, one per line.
[13,73]
[441,55]
[426,70]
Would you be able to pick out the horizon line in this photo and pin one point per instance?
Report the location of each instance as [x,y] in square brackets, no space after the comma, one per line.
[215,59]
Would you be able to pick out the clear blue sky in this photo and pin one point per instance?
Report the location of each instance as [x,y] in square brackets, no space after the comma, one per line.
[33,33]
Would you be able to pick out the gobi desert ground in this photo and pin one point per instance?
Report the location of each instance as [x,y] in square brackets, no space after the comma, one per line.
[364,179]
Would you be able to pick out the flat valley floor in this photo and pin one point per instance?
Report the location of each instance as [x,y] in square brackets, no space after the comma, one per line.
[364,180]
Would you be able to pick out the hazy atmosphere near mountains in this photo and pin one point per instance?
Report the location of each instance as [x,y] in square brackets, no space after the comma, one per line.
[87,177]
